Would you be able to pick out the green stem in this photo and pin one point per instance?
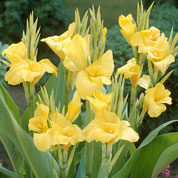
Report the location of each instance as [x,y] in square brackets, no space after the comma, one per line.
[132,115]
[89,146]
[140,118]
[66,91]
[30,97]
[103,171]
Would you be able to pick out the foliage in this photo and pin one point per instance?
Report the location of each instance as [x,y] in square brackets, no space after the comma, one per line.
[53,16]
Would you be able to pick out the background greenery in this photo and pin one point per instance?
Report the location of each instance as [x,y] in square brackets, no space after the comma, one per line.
[55,15]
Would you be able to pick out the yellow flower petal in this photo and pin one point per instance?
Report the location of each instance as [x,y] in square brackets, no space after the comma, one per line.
[15,52]
[145,38]
[127,133]
[78,53]
[85,86]
[102,68]
[144,81]
[74,108]
[56,43]
[42,141]
[39,122]
[128,26]
[101,101]
[164,64]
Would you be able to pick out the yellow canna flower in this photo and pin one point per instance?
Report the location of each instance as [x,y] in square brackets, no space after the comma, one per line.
[132,71]
[101,101]
[63,131]
[108,128]
[155,99]
[89,77]
[156,47]
[39,122]
[56,128]
[22,69]
[160,55]
[56,43]
[128,26]
[73,108]
[145,38]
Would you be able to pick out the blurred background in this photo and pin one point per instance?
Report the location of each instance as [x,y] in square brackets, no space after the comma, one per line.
[54,17]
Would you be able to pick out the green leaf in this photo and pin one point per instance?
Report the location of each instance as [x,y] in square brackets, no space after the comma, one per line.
[15,156]
[39,162]
[149,155]
[10,103]
[168,156]
[155,132]
[130,166]
[81,169]
[5,173]
[96,159]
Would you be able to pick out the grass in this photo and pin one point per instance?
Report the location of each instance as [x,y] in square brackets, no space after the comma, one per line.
[110,9]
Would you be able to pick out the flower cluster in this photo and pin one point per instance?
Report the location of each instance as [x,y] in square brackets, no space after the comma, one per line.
[91,88]
[55,128]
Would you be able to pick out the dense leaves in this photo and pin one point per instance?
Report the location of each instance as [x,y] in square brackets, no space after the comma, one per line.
[53,16]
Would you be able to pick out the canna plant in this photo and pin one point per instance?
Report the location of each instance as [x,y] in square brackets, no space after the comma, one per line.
[81,124]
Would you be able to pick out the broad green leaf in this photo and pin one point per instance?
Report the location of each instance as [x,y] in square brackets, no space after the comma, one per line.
[155,132]
[168,156]
[143,161]
[128,166]
[96,159]
[40,163]
[5,173]
[81,169]
[10,103]
[15,156]
[149,155]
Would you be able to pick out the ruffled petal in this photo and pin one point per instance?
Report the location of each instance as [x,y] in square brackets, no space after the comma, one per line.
[144,81]
[42,141]
[85,86]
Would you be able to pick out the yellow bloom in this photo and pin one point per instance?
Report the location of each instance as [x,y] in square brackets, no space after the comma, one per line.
[155,99]
[64,132]
[156,47]
[101,101]
[160,55]
[89,77]
[128,26]
[132,71]
[107,127]
[22,69]
[60,129]
[39,122]
[145,38]
[56,43]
